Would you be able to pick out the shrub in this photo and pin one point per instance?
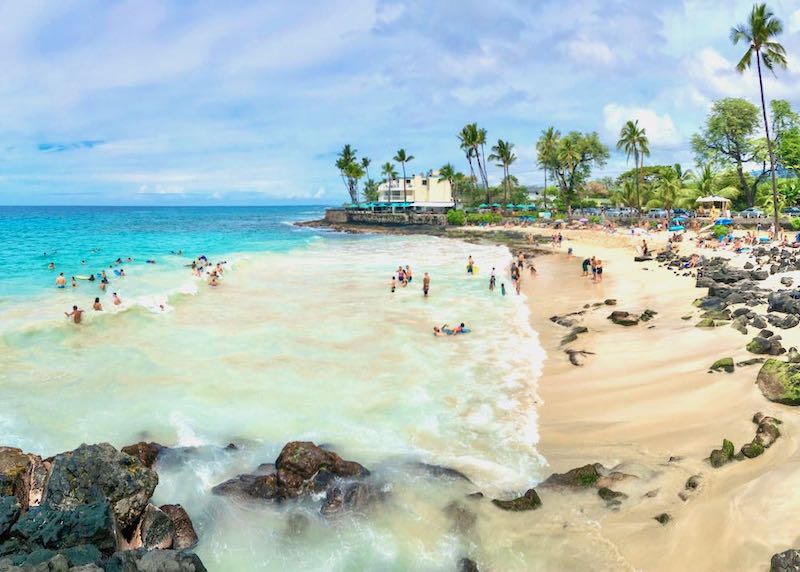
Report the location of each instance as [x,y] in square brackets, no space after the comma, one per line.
[796,224]
[484,218]
[595,219]
[455,217]
[719,230]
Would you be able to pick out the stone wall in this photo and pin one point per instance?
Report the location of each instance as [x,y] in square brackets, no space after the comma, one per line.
[389,219]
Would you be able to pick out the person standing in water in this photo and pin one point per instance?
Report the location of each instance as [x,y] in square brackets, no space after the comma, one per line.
[503,288]
[599,270]
[470,265]
[97,306]
[426,284]
[74,282]
[61,281]
[492,281]
[116,299]
[75,315]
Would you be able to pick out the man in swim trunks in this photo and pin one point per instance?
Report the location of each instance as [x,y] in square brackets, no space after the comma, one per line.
[75,314]
[61,281]
[585,266]
[470,264]
[116,299]
[97,306]
[426,284]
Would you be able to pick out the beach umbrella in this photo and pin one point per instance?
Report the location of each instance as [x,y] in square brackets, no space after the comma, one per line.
[496,205]
[483,206]
[510,206]
[521,206]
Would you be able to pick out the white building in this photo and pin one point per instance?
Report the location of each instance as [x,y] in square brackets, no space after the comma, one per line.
[423,190]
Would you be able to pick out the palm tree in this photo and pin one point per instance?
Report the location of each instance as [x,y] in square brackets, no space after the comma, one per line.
[633,140]
[503,152]
[387,170]
[759,33]
[448,173]
[706,182]
[402,158]
[546,148]
[366,162]
[669,189]
[472,140]
[466,146]
[625,195]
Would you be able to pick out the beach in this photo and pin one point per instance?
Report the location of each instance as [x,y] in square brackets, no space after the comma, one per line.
[645,401]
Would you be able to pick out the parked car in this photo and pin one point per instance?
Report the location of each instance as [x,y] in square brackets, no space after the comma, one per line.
[656,213]
[792,211]
[614,212]
[752,212]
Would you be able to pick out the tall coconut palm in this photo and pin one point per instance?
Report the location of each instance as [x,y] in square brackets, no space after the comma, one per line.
[403,158]
[366,162]
[448,173]
[466,146]
[759,33]
[388,171]
[633,140]
[503,153]
[546,152]
[472,140]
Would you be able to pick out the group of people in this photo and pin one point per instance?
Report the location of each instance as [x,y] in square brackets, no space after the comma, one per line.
[405,275]
[596,266]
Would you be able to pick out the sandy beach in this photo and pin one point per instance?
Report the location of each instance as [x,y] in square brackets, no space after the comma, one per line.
[645,402]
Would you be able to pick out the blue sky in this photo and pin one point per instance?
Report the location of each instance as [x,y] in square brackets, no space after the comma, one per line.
[248,102]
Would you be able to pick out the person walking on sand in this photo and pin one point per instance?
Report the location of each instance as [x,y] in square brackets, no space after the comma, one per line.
[518,282]
[97,306]
[645,250]
[426,284]
[61,281]
[75,315]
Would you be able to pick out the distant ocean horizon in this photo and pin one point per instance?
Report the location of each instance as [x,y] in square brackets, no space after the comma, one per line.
[303,340]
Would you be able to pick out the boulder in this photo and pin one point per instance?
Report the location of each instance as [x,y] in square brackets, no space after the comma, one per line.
[780,381]
[349,497]
[147,453]
[740,324]
[467,565]
[716,315]
[21,475]
[9,513]
[787,280]
[529,501]
[693,482]
[463,517]
[94,473]
[762,345]
[784,302]
[154,561]
[612,498]
[580,477]
[257,486]
[784,322]
[722,456]
[751,450]
[662,518]
[185,535]
[155,529]
[758,322]
[723,364]
[623,318]
[48,527]
[788,561]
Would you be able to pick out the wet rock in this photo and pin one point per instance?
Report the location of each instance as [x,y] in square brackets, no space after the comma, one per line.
[147,453]
[18,476]
[353,496]
[576,356]
[573,335]
[758,322]
[780,381]
[662,518]
[467,565]
[722,456]
[787,280]
[154,561]
[623,318]
[783,322]
[751,450]
[296,525]
[710,323]
[740,324]
[300,461]
[263,487]
[9,513]
[185,535]
[693,482]
[738,312]
[723,364]
[155,529]
[610,302]
[47,527]
[529,501]
[580,477]
[94,473]
[612,498]
[716,315]
[751,361]
[784,302]
[462,517]
[762,345]
[439,471]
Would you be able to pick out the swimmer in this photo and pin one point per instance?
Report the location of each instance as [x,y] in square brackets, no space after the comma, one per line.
[393,283]
[503,288]
[116,299]
[75,314]
[74,282]
[61,281]
[83,262]
[52,266]
[459,329]
[212,280]
[97,306]
[91,278]
[426,284]
[122,272]
[437,331]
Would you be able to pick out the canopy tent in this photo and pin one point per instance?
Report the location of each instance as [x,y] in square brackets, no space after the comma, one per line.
[715,203]
[713,199]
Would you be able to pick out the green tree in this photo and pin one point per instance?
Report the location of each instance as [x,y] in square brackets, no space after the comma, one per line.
[546,149]
[669,188]
[759,34]
[403,158]
[626,194]
[788,150]
[350,170]
[633,140]
[783,118]
[371,190]
[390,174]
[727,140]
[576,154]
[365,163]
[503,153]
[448,173]
[473,139]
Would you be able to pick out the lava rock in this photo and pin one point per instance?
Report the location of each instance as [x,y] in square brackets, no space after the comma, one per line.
[722,456]
[529,501]
[724,364]
[154,561]
[156,529]
[147,453]
[780,381]
[9,513]
[185,534]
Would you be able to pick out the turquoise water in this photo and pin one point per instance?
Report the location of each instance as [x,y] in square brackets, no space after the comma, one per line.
[303,339]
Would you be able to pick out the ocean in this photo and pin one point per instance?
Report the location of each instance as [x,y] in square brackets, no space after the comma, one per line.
[303,340]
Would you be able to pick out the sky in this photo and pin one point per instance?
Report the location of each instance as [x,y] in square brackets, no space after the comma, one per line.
[237,103]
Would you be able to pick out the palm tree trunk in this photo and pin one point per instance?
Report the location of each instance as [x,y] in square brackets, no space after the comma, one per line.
[769,148]
[405,198]
[544,191]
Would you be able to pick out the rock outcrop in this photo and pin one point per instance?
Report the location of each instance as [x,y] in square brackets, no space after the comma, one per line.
[529,501]
[779,381]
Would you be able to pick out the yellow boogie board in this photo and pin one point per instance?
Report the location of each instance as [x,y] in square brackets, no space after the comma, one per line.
[474,269]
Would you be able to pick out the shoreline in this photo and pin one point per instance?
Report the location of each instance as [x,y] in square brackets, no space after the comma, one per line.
[644,404]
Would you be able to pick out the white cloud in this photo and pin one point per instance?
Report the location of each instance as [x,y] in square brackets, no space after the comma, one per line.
[794,22]
[320,193]
[661,130]
[584,51]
